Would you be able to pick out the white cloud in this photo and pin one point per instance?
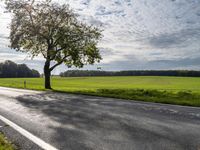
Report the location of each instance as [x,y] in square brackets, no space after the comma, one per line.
[148,30]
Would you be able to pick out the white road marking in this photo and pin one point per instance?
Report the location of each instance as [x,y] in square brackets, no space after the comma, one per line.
[28,135]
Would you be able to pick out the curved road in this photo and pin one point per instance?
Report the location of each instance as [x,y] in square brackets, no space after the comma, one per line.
[77,122]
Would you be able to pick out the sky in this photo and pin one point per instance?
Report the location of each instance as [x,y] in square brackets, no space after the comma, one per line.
[137,34]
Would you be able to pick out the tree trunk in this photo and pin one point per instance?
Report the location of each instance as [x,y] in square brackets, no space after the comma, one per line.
[47,74]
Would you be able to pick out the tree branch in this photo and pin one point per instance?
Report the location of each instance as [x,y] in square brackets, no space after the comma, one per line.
[59,63]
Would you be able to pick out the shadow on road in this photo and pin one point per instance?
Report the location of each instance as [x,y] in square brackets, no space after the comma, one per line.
[98,123]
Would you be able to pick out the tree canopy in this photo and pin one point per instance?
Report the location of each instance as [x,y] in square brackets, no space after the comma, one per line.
[53,31]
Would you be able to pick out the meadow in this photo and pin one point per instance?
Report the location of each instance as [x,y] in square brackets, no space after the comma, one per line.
[172,90]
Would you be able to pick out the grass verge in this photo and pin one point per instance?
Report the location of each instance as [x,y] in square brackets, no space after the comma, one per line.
[5,144]
[186,98]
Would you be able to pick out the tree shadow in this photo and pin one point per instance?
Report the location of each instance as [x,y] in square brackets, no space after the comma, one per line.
[88,122]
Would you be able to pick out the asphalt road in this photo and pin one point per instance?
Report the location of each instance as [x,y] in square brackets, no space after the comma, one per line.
[77,122]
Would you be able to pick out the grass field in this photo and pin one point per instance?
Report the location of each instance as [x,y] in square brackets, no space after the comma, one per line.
[4,144]
[175,90]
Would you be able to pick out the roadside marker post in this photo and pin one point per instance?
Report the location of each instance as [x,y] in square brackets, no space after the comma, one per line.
[24,84]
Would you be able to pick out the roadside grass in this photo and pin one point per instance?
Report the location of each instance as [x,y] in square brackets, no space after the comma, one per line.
[179,98]
[170,90]
[185,98]
[4,144]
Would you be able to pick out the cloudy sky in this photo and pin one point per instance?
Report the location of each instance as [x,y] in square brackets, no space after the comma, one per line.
[138,34]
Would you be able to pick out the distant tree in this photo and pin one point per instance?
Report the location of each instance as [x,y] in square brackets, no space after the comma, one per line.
[85,73]
[24,71]
[9,69]
[35,73]
[53,30]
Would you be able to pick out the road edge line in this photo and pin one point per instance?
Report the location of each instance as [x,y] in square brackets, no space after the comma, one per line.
[28,135]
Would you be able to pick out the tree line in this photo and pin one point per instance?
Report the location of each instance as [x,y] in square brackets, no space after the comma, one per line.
[9,69]
[87,73]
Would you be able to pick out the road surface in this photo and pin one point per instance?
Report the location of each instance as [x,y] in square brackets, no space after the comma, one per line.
[77,122]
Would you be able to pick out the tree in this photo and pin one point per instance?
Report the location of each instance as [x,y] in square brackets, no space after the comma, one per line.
[9,69]
[53,31]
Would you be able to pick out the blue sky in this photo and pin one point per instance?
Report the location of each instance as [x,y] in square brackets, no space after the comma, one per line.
[138,34]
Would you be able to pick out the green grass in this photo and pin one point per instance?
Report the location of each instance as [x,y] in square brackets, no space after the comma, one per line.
[173,90]
[4,144]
